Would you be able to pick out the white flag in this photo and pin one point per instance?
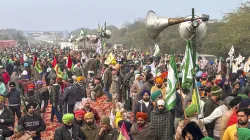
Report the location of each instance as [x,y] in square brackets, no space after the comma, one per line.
[157,51]
[203,62]
[231,52]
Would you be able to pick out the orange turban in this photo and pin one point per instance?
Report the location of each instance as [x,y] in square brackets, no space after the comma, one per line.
[142,115]
[159,80]
[31,86]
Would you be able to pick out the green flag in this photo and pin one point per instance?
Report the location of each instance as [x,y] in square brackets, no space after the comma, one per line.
[172,83]
[187,68]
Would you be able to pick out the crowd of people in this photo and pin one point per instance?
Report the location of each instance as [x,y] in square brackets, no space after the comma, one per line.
[134,82]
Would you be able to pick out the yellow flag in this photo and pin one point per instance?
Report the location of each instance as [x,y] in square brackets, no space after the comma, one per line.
[109,59]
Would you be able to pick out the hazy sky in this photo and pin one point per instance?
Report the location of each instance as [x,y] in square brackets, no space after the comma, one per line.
[72,14]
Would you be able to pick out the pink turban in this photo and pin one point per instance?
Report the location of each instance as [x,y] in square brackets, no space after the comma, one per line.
[85,100]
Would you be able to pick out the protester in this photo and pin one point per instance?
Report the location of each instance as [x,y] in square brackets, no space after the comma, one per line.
[79,118]
[32,122]
[106,132]
[90,129]
[68,130]
[87,108]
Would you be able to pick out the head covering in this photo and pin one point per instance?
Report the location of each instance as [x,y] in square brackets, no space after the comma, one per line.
[25,64]
[12,84]
[31,104]
[191,110]
[160,102]
[59,79]
[228,100]
[199,74]
[234,84]
[136,72]
[136,76]
[211,62]
[235,101]
[142,115]
[127,124]
[149,76]
[24,72]
[159,80]
[85,100]
[245,103]
[39,82]
[27,77]
[164,75]
[155,95]
[48,69]
[105,120]
[1,98]
[79,78]
[145,91]
[67,118]
[88,115]
[31,86]
[243,133]
[216,91]
[79,113]
[207,138]
[204,75]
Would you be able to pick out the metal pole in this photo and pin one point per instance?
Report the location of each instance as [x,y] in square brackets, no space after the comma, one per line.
[193,46]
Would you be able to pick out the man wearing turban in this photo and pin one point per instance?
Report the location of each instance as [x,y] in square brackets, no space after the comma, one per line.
[79,115]
[32,122]
[6,118]
[90,129]
[159,85]
[87,108]
[164,129]
[142,129]
[68,130]
[144,105]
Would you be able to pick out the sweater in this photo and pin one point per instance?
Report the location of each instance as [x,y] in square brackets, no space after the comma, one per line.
[14,97]
[230,132]
[216,116]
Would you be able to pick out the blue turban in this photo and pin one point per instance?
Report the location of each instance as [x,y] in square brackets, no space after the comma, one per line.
[145,91]
[25,65]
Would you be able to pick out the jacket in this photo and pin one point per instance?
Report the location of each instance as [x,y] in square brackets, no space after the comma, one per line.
[107,77]
[216,116]
[110,134]
[147,133]
[14,97]
[91,65]
[98,90]
[90,132]
[78,71]
[32,123]
[70,95]
[62,133]
[8,121]
[162,121]
[115,85]
[96,116]
[80,92]
[54,95]
[141,107]
[6,77]
[178,107]
[224,122]
[209,107]
[2,89]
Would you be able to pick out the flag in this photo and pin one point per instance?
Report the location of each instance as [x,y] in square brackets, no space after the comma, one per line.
[56,68]
[37,65]
[54,62]
[157,50]
[172,83]
[246,65]
[99,46]
[239,59]
[187,68]
[69,62]
[25,58]
[219,66]
[203,62]
[196,98]
[231,52]
[110,59]
[123,133]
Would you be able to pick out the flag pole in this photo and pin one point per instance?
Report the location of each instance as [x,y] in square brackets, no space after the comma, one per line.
[182,100]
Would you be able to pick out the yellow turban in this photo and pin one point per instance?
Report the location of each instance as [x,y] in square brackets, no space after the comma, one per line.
[80,78]
[1,98]
[67,118]
[88,115]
